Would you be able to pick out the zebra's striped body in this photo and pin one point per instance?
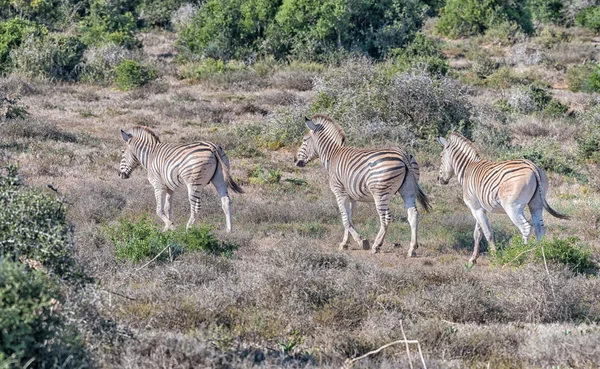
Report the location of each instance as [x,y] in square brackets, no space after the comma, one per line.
[363,175]
[498,187]
[171,166]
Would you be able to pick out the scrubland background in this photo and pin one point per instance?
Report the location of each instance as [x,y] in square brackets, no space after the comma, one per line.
[519,77]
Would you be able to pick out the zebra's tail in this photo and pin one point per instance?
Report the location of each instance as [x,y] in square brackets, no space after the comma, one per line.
[422,198]
[547,206]
[218,151]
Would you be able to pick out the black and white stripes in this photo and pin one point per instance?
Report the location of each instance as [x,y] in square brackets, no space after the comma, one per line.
[363,175]
[171,166]
[506,186]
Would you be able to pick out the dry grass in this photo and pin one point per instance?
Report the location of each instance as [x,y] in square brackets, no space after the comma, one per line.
[287,297]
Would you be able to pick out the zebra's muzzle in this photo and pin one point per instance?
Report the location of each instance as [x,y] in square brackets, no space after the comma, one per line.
[123,175]
[442,181]
[300,163]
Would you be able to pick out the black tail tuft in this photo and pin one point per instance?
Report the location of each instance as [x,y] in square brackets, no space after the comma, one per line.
[423,200]
[234,186]
[553,212]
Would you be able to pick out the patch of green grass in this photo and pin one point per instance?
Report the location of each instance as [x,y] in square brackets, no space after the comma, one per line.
[264,176]
[136,241]
[569,251]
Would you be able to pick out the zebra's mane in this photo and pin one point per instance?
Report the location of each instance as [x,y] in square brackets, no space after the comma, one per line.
[465,143]
[328,122]
[144,132]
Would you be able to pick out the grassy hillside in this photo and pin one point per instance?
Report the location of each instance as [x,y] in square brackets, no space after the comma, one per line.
[276,292]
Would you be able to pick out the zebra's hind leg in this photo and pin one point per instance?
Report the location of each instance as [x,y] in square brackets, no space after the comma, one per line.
[194,198]
[345,204]
[410,204]
[383,209]
[483,223]
[221,187]
[517,216]
[159,192]
[168,208]
[536,208]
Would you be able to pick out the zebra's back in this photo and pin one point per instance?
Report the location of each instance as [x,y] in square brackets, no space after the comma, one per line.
[179,164]
[367,172]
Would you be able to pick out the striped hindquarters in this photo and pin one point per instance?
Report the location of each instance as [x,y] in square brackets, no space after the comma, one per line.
[194,163]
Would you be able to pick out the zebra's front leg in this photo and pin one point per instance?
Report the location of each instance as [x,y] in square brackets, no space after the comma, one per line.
[345,205]
[383,209]
[159,192]
[168,204]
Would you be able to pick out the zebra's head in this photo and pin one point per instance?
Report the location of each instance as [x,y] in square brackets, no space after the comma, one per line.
[128,159]
[308,149]
[446,168]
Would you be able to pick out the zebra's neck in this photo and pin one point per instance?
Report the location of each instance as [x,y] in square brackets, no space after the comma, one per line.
[460,160]
[327,147]
[142,151]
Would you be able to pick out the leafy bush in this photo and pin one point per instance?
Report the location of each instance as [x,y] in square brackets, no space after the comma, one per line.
[141,240]
[209,67]
[54,57]
[589,18]
[584,78]
[423,52]
[529,99]
[264,176]
[110,22]
[33,225]
[132,74]
[588,142]
[555,108]
[13,33]
[11,109]
[183,16]
[100,63]
[157,13]
[566,251]
[546,11]
[373,103]
[32,326]
[483,65]
[472,17]
[306,29]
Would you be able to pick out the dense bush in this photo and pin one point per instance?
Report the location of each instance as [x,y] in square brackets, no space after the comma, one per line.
[100,63]
[132,74]
[54,57]
[423,52]
[568,251]
[32,325]
[110,22]
[143,239]
[584,78]
[372,103]
[588,141]
[307,29]
[157,13]
[546,11]
[472,17]
[589,18]
[12,34]
[33,225]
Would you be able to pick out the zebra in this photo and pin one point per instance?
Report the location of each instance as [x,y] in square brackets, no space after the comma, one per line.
[172,165]
[497,187]
[363,175]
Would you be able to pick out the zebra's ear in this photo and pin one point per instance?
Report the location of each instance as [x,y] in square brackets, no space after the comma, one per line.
[442,141]
[126,136]
[310,124]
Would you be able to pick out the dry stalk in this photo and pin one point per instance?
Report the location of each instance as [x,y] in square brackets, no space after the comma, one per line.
[154,258]
[407,346]
[349,363]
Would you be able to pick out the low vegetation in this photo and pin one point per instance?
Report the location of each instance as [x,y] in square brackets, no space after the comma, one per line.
[87,278]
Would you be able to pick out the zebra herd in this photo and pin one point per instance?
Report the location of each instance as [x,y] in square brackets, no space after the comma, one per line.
[363,175]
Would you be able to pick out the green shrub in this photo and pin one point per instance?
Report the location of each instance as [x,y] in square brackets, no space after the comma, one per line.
[585,78]
[589,18]
[143,239]
[157,13]
[32,327]
[546,11]
[100,63]
[566,251]
[12,34]
[555,108]
[503,33]
[110,22]
[424,53]
[306,29]
[532,98]
[34,225]
[264,176]
[588,141]
[54,57]
[473,17]
[132,74]
[209,67]
[483,65]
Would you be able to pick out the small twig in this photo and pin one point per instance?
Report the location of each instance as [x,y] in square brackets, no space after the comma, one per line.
[521,253]
[350,362]
[406,343]
[118,294]
[548,272]
[421,355]
[154,258]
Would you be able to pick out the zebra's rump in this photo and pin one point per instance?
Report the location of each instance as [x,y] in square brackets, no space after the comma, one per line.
[179,164]
[490,181]
[365,173]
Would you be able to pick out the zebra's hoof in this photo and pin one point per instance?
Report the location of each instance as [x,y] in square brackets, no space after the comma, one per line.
[411,254]
[374,250]
[365,245]
[343,246]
